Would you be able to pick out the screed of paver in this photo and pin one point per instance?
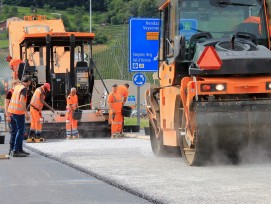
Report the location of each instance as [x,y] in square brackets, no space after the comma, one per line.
[130,163]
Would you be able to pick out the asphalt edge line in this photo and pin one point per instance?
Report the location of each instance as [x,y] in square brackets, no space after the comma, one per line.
[96,175]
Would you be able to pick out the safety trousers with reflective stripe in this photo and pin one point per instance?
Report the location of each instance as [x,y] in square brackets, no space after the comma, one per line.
[71,125]
[36,124]
[116,123]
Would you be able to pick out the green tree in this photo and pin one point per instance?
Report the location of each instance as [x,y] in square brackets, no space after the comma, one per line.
[100,39]
[66,22]
[5,10]
[46,7]
[79,18]
[70,10]
[133,7]
[117,12]
[148,8]
[13,11]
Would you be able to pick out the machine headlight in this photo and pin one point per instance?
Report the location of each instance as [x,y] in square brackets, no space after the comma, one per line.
[220,87]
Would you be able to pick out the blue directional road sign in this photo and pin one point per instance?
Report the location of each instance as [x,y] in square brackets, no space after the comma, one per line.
[139,79]
[143,44]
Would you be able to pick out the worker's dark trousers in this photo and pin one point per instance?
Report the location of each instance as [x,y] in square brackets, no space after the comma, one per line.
[19,127]
[12,133]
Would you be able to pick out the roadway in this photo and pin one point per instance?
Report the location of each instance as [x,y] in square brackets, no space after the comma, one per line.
[130,165]
[39,180]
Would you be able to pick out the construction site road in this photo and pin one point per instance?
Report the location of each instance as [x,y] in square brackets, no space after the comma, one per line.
[130,165]
[39,180]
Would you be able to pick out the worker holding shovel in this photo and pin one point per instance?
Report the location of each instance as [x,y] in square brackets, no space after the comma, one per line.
[36,105]
[71,124]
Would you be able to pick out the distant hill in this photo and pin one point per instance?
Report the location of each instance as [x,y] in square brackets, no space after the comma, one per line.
[108,11]
[75,14]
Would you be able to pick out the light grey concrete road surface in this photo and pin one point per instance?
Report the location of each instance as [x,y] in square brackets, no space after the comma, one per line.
[39,180]
[130,164]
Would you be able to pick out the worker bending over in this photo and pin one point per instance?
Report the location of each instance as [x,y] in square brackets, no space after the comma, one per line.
[14,66]
[36,105]
[17,107]
[71,124]
[115,108]
[124,92]
[8,115]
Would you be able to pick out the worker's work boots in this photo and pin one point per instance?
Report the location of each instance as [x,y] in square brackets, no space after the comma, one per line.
[31,137]
[18,154]
[39,140]
[24,152]
[116,136]
[30,140]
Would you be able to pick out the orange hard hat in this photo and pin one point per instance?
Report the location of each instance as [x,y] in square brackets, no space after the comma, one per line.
[48,86]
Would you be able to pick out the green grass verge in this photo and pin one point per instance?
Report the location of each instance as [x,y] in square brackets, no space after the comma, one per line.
[3,44]
[133,121]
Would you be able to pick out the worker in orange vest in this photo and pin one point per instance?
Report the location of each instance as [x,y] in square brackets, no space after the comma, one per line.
[17,107]
[115,107]
[14,66]
[8,115]
[36,105]
[71,124]
[124,92]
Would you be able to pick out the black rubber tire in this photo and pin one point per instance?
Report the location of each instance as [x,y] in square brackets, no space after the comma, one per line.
[199,157]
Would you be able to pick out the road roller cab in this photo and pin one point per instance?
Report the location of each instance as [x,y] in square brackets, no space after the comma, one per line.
[214,94]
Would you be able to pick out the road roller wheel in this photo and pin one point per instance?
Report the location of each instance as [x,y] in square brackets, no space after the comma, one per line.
[193,155]
[159,149]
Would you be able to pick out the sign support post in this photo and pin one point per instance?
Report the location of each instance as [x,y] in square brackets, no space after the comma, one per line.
[139,80]
[138,105]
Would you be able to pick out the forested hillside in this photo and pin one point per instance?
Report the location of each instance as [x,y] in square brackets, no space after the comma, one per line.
[108,11]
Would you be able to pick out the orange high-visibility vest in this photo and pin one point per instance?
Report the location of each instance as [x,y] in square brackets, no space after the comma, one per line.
[123,91]
[115,99]
[15,106]
[35,100]
[72,100]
